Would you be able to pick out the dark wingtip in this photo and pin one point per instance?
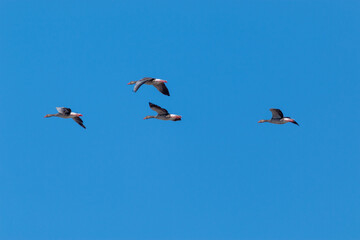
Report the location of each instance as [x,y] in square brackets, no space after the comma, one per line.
[164,91]
[295,123]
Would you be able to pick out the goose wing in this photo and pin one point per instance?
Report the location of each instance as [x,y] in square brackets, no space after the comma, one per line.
[141,82]
[63,110]
[158,109]
[294,122]
[276,113]
[162,88]
[79,121]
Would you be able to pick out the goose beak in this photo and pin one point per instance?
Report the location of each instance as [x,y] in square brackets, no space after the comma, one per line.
[80,115]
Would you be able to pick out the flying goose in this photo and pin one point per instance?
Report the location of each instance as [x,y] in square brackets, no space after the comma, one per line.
[163,114]
[278,118]
[67,113]
[158,83]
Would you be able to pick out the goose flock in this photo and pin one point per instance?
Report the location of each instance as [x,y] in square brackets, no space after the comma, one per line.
[162,113]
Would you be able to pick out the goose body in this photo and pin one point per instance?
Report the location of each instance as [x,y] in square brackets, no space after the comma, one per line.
[163,114]
[158,83]
[278,118]
[67,113]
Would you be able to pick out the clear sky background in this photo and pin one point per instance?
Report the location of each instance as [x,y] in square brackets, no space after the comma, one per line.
[217,174]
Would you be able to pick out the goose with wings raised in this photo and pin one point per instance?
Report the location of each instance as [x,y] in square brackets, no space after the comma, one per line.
[278,118]
[158,83]
[163,114]
[67,113]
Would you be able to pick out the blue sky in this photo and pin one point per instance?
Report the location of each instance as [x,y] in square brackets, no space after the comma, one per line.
[217,174]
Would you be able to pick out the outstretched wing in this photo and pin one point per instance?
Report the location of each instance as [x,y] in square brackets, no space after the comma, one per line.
[159,110]
[276,113]
[79,121]
[162,88]
[63,110]
[141,82]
